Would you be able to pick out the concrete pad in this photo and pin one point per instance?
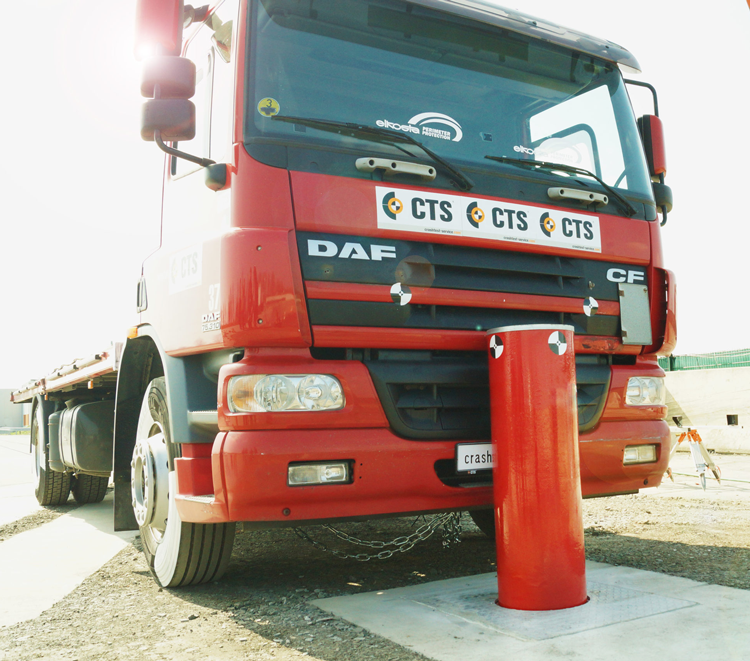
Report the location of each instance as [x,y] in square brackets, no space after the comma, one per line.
[17,498]
[630,613]
[39,567]
[17,502]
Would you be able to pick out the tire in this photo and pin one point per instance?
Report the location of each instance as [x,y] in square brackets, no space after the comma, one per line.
[88,489]
[178,553]
[51,488]
[485,521]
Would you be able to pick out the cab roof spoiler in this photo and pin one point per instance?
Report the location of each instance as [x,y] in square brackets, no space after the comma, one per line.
[515,21]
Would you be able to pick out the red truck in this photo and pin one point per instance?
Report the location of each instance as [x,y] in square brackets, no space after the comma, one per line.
[355,191]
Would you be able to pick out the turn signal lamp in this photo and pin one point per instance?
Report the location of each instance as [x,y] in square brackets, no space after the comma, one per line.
[322,473]
[262,393]
[639,454]
[646,391]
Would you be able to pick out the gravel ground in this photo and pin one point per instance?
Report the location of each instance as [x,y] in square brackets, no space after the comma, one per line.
[261,610]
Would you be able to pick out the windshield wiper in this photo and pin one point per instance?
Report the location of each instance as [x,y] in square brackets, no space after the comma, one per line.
[545,165]
[377,134]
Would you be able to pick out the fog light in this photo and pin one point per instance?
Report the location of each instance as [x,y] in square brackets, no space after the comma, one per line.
[639,454]
[324,473]
[261,393]
[646,391]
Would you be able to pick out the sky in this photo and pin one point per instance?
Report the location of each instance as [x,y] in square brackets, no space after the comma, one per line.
[80,191]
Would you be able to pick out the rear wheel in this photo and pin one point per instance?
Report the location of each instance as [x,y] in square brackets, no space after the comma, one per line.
[89,488]
[485,521]
[52,488]
[178,553]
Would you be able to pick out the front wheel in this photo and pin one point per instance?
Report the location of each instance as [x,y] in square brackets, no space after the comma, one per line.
[51,488]
[178,553]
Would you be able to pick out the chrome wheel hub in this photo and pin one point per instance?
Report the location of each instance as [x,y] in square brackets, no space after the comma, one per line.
[149,482]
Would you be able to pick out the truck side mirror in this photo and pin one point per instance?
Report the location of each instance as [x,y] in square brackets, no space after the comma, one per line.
[662,196]
[170,115]
[171,81]
[158,28]
[173,119]
[652,135]
[175,77]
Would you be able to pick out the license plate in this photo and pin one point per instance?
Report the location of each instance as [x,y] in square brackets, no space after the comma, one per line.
[473,457]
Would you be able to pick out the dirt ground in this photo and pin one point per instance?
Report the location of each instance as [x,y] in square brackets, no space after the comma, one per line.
[260,609]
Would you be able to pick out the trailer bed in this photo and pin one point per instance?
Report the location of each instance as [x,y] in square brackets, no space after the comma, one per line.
[96,370]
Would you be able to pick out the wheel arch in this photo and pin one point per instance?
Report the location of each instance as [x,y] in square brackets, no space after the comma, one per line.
[188,389]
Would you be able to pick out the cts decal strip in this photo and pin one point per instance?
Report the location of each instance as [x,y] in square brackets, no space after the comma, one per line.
[185,269]
[435,213]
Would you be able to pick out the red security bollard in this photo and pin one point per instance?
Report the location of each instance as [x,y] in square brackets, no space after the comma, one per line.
[537,482]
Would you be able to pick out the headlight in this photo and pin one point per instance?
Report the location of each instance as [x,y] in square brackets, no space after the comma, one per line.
[261,393]
[646,391]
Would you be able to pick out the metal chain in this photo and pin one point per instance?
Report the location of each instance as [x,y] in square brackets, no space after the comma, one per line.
[451,523]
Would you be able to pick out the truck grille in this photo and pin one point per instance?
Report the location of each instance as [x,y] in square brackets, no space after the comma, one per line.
[434,396]
[358,260]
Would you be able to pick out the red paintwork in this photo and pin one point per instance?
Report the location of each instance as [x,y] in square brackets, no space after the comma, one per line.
[340,205]
[362,406]
[342,291]
[261,196]
[615,408]
[157,23]
[194,469]
[392,475]
[601,462]
[262,299]
[417,338]
[658,157]
[663,300]
[670,330]
[541,561]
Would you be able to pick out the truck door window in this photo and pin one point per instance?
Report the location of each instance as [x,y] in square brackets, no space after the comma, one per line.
[222,97]
[200,51]
[582,132]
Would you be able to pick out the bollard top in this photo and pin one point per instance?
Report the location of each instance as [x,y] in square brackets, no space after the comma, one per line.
[523,327]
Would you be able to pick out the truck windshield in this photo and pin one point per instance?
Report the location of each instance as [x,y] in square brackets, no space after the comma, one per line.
[464,89]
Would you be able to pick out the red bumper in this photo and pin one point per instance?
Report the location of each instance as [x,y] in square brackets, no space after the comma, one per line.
[391,475]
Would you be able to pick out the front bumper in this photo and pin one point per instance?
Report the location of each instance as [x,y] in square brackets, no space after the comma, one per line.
[392,476]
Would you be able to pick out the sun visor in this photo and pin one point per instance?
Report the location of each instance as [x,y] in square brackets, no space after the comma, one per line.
[515,21]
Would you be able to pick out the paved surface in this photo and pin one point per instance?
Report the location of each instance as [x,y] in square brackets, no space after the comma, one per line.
[16,480]
[40,566]
[631,614]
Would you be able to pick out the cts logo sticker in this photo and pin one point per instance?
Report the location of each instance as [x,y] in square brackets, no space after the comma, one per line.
[474,214]
[392,205]
[547,224]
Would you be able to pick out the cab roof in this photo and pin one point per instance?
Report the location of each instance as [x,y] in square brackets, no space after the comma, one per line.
[515,21]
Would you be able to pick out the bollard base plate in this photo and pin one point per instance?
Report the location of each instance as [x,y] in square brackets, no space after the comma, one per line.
[631,613]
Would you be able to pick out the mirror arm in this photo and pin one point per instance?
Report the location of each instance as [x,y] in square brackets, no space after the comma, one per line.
[203,162]
[640,83]
[663,209]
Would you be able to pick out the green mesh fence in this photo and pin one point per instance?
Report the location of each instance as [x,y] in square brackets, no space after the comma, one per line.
[707,361]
